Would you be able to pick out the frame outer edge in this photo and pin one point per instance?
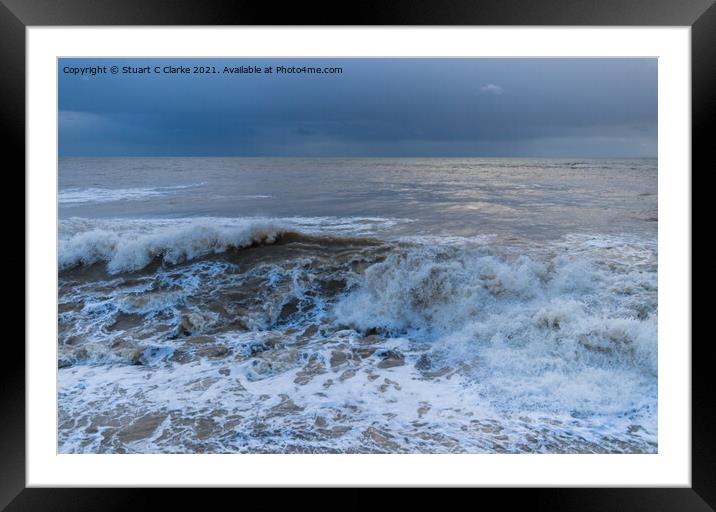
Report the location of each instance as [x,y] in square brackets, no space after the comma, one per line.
[12,389]
[12,58]
[703,122]
[370,12]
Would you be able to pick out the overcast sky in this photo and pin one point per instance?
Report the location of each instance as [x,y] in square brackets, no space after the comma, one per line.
[375,107]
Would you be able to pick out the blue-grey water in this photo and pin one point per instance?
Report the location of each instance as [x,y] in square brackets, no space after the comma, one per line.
[357,305]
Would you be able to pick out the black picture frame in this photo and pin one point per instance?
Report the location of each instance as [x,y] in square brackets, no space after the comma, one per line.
[700,15]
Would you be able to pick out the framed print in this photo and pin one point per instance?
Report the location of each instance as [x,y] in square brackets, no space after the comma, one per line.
[437,247]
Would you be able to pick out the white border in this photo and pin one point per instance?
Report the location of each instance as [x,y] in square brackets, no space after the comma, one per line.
[670,467]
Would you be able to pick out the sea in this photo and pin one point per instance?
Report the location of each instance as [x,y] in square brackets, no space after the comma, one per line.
[357,305]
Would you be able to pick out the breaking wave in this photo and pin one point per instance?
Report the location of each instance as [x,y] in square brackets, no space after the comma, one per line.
[127,246]
[172,245]
[566,329]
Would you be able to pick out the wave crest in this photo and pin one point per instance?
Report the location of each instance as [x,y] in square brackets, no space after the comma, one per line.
[131,252]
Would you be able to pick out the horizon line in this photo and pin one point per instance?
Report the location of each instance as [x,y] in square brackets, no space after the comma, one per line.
[593,157]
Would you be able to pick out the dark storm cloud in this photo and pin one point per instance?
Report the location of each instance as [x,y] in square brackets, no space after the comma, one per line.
[375,107]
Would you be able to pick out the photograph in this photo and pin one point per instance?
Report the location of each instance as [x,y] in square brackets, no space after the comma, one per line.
[357,255]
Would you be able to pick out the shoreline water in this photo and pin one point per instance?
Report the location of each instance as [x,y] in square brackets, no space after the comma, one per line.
[326,325]
[449,319]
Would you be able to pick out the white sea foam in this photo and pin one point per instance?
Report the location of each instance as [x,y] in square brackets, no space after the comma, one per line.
[571,333]
[72,196]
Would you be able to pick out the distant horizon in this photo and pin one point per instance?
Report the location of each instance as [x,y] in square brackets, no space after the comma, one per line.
[380,108]
[513,157]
